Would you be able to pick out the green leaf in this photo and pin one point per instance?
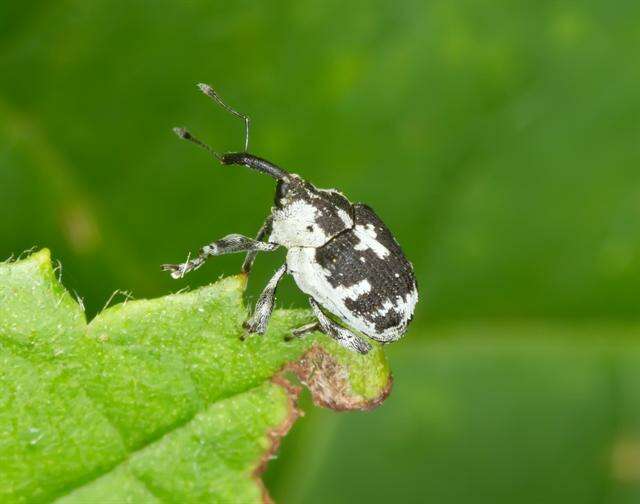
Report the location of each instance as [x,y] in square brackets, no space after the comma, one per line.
[154,399]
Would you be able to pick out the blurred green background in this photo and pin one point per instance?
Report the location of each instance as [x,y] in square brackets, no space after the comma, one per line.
[499,140]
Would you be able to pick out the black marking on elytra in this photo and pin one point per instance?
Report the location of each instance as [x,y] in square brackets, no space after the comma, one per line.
[392,318]
[390,277]
[338,200]
[328,204]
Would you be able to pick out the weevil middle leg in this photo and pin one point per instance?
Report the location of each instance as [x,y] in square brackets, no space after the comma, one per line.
[259,321]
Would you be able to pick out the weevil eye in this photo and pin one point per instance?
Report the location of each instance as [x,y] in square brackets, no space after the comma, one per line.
[281,191]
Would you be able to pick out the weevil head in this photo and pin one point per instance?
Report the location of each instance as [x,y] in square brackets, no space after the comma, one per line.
[305,216]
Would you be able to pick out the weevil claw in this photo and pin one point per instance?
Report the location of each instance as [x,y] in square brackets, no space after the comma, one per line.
[252,327]
[176,270]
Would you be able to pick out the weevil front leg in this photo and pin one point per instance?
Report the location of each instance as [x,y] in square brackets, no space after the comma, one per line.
[343,336]
[230,244]
[259,321]
[263,232]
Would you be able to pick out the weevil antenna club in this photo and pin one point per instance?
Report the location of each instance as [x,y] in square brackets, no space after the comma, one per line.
[186,135]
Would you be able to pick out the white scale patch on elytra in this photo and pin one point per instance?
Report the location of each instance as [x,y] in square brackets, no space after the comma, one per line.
[353,291]
[404,306]
[345,217]
[368,240]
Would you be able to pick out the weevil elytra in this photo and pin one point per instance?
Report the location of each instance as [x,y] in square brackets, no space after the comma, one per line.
[340,254]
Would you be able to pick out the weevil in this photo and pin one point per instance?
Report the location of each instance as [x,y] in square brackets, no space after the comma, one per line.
[339,253]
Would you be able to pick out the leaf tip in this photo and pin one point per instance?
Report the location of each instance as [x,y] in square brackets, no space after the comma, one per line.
[42,256]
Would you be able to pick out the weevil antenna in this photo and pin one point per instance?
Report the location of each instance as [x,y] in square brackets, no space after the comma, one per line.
[186,135]
[211,93]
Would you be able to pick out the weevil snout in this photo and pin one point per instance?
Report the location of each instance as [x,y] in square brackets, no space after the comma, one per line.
[255,163]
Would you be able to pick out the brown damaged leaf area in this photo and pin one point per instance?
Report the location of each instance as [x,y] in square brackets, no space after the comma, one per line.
[328,382]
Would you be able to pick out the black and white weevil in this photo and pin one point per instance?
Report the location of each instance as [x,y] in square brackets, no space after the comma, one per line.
[340,254]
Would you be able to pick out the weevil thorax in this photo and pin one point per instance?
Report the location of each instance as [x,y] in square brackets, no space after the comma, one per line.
[305,216]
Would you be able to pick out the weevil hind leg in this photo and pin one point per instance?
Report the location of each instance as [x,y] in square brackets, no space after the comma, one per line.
[343,336]
[228,245]
[259,321]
